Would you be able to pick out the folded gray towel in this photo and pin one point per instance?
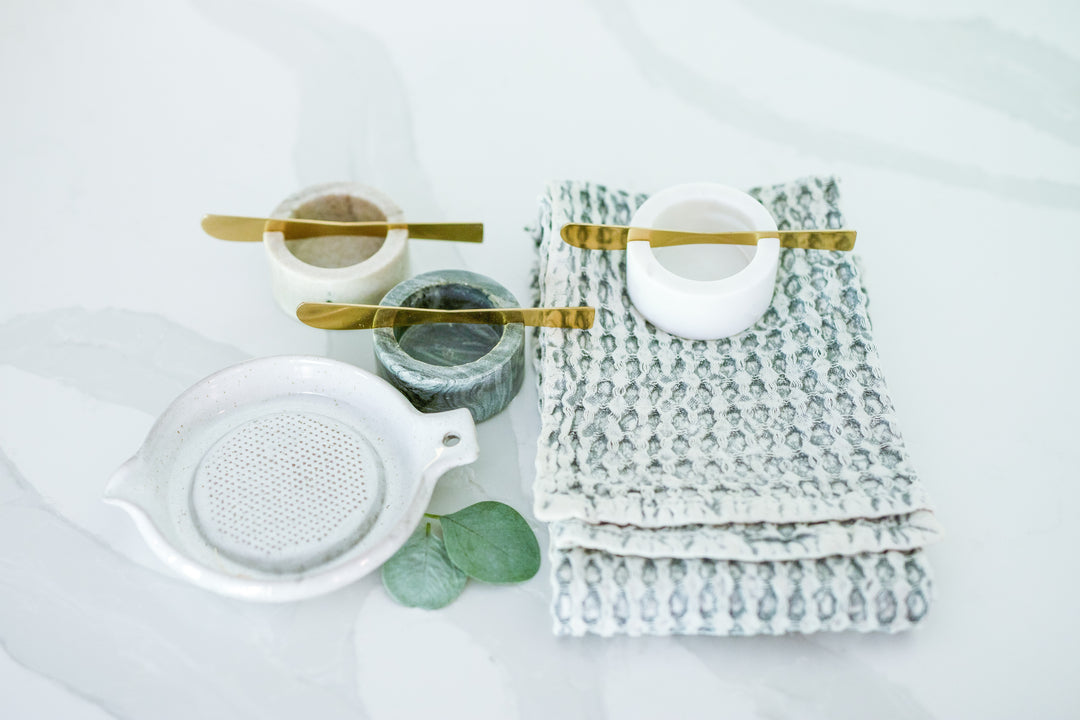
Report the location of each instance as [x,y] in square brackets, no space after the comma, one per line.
[753,484]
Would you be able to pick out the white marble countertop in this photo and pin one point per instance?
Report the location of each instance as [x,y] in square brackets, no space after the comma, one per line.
[955,127]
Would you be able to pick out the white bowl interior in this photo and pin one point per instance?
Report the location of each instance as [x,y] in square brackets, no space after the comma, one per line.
[704,262]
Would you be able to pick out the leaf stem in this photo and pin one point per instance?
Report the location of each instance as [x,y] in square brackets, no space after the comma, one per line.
[433,516]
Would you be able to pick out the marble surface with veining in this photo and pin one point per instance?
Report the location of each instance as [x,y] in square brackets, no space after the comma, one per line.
[956,129]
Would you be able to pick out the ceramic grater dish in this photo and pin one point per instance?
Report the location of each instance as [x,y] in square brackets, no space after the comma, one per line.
[287,477]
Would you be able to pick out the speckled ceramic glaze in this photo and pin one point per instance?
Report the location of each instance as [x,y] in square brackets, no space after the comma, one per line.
[287,477]
[336,268]
[447,366]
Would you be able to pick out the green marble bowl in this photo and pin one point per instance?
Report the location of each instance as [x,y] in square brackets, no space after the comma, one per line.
[446,366]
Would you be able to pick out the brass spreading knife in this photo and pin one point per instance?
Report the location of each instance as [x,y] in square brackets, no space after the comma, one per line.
[250,229]
[346,316]
[615,237]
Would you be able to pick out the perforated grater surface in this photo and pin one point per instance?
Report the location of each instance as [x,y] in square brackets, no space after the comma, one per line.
[287,477]
[286,491]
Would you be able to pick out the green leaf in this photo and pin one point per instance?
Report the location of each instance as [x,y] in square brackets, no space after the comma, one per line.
[490,541]
[421,575]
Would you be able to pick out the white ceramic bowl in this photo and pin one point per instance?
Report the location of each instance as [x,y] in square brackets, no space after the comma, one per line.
[287,477]
[700,302]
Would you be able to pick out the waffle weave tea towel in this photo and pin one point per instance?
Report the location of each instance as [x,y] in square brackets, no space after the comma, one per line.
[755,484]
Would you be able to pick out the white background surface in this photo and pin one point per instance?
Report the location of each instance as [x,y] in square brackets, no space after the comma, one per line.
[955,129]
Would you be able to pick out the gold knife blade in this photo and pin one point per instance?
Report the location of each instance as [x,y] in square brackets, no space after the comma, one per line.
[251,229]
[347,316]
[615,237]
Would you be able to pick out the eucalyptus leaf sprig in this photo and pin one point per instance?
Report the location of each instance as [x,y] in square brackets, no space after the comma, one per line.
[488,541]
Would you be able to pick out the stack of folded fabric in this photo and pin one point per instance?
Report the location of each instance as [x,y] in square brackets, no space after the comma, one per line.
[756,484]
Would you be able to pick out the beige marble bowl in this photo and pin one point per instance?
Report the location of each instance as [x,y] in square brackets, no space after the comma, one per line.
[336,268]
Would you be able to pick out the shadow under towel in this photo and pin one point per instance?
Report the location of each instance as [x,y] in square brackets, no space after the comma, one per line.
[755,484]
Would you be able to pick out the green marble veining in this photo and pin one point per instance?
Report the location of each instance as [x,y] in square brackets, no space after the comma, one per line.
[444,366]
[449,344]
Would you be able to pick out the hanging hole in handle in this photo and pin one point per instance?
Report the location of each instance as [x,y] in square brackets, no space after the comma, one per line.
[451,439]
